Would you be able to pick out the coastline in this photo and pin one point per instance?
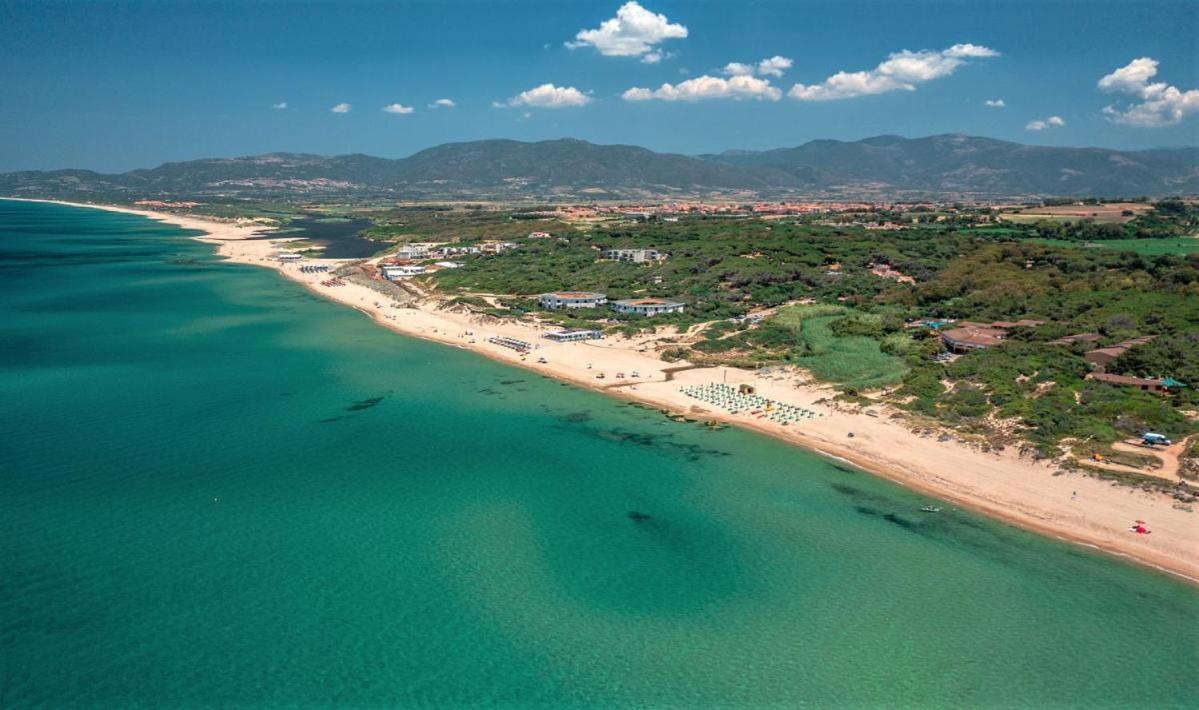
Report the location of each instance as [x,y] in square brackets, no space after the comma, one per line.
[1068,506]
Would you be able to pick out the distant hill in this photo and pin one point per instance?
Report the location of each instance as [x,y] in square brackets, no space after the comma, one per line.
[946,166]
[958,164]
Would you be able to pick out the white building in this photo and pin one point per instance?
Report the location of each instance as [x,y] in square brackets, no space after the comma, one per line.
[539,235]
[286,256]
[413,251]
[571,299]
[573,335]
[391,273]
[634,256]
[493,247]
[647,306]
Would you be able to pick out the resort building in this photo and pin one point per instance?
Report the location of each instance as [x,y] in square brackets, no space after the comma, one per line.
[574,335]
[539,235]
[456,251]
[494,247]
[287,256]
[403,271]
[969,336]
[571,299]
[1100,358]
[647,306]
[963,340]
[1079,338]
[633,256]
[413,251]
[1165,386]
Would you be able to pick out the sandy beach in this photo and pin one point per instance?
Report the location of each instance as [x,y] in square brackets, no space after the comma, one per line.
[1033,495]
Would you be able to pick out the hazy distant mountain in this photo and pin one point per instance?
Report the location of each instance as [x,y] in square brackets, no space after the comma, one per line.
[957,164]
[937,166]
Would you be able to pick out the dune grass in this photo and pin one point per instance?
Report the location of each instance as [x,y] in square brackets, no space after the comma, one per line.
[855,362]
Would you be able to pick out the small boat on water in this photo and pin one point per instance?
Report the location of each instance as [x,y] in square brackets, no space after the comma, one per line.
[931,509]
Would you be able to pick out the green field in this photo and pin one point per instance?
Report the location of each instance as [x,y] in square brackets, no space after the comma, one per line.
[854,361]
[1145,247]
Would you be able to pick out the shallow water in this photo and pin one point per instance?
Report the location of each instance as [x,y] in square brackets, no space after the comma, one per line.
[219,489]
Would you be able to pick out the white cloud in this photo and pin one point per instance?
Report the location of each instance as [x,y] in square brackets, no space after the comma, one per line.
[708,87]
[995,103]
[900,71]
[774,66]
[1161,104]
[398,108]
[632,33]
[341,108]
[654,57]
[280,105]
[1051,122]
[549,96]
[443,103]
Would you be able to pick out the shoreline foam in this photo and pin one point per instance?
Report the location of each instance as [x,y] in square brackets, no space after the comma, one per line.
[1004,486]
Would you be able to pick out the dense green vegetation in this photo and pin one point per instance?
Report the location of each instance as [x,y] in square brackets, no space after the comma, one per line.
[1144,247]
[855,333]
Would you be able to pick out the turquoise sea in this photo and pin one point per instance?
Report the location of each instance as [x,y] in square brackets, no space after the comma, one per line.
[218,489]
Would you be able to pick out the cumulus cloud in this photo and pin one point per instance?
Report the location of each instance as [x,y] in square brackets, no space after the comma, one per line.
[443,103]
[632,33]
[901,71]
[774,66]
[1160,103]
[995,103]
[280,105]
[398,108]
[341,108]
[708,87]
[1051,122]
[549,96]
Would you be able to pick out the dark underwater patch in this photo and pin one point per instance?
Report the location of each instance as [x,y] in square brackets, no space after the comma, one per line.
[889,517]
[577,417]
[364,404]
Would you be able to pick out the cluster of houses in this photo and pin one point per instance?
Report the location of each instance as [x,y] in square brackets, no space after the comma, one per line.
[1101,358]
[967,336]
[588,299]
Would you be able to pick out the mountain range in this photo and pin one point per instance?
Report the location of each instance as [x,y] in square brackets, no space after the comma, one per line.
[884,167]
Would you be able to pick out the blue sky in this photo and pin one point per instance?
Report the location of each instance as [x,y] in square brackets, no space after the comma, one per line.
[114,86]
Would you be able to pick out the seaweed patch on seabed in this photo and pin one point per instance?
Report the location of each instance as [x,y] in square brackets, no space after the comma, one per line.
[364,404]
[889,517]
[692,452]
[576,417]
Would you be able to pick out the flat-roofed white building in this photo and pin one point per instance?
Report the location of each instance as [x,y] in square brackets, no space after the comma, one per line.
[572,335]
[289,256]
[413,251]
[647,306]
[633,256]
[404,271]
[571,299]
